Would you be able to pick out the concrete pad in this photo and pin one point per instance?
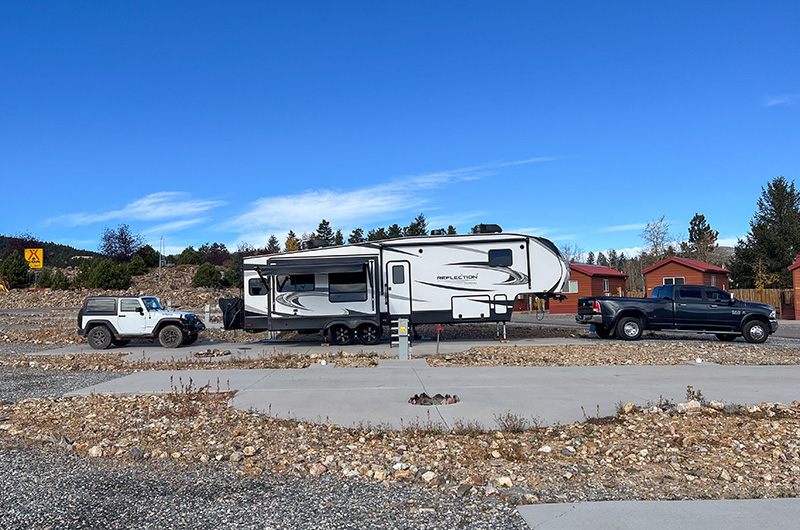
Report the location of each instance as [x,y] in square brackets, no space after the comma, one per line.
[775,514]
[353,396]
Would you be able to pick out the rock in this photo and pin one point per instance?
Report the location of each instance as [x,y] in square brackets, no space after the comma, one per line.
[724,475]
[237,456]
[545,449]
[627,408]
[503,482]
[249,450]
[316,469]
[717,405]
[429,476]
[96,451]
[403,474]
[463,489]
[136,453]
[689,406]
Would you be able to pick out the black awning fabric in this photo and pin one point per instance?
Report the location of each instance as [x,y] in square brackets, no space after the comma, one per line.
[288,267]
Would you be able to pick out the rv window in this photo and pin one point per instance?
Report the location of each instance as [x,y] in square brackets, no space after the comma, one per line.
[500,258]
[348,286]
[257,287]
[296,282]
[398,276]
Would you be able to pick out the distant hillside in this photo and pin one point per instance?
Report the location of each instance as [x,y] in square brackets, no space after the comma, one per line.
[55,255]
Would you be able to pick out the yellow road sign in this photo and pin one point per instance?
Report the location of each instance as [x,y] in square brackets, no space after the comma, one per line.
[34,257]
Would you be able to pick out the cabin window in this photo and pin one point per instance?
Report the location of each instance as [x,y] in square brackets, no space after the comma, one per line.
[257,287]
[713,281]
[296,282]
[678,280]
[606,285]
[129,305]
[500,258]
[347,286]
[571,287]
[398,274]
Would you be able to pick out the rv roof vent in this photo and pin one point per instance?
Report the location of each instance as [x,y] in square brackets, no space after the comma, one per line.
[438,232]
[314,243]
[489,229]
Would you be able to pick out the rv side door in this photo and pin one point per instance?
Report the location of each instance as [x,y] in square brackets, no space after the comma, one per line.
[398,280]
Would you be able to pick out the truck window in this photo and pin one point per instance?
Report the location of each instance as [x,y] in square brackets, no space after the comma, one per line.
[500,258]
[691,294]
[296,282]
[716,296]
[347,286]
[257,287]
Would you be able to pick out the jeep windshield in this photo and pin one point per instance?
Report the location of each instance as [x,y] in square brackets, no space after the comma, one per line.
[151,303]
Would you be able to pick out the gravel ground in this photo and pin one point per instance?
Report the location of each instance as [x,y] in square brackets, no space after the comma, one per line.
[45,487]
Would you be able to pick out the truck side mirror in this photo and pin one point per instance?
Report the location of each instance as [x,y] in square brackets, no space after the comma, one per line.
[732,300]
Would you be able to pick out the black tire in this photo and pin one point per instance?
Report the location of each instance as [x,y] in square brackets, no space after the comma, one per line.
[170,336]
[99,337]
[755,331]
[603,332]
[190,339]
[726,337]
[629,328]
[341,335]
[120,342]
[368,334]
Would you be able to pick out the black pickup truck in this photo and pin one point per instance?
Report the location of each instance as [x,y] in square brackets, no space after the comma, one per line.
[687,308]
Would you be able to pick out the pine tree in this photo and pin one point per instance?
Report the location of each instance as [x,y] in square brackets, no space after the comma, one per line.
[590,258]
[377,234]
[15,269]
[774,238]
[273,245]
[356,236]
[451,230]
[324,231]
[702,239]
[418,227]
[394,231]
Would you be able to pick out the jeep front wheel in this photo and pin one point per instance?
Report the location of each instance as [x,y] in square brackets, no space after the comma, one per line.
[170,337]
[100,337]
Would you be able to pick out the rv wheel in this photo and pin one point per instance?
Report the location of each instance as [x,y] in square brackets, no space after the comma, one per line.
[341,335]
[368,333]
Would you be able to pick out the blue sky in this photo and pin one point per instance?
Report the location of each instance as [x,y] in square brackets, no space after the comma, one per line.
[230,121]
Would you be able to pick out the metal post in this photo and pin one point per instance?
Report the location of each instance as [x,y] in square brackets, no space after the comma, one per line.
[402,339]
[208,315]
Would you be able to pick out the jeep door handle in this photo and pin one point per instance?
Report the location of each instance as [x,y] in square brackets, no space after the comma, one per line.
[681,305]
[122,316]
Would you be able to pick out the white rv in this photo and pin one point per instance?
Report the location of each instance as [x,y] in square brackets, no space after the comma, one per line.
[352,291]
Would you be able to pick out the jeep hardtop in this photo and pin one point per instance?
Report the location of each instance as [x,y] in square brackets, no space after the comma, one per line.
[107,320]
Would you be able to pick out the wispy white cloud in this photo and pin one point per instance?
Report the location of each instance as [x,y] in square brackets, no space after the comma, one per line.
[783,99]
[624,228]
[173,227]
[303,211]
[153,207]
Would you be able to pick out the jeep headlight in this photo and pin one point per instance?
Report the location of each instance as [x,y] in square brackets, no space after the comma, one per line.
[772,314]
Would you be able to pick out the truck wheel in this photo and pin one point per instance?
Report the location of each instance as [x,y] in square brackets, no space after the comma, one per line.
[603,332]
[368,333]
[755,331]
[629,328]
[100,337]
[341,335]
[170,337]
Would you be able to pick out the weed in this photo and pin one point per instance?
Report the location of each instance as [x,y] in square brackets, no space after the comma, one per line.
[510,422]
[468,427]
[695,395]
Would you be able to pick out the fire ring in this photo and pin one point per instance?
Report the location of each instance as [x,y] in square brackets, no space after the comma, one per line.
[426,400]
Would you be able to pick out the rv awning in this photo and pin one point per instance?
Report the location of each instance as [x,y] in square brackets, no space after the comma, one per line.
[309,266]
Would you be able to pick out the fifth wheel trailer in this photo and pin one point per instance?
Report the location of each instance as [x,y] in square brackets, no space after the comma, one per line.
[351,291]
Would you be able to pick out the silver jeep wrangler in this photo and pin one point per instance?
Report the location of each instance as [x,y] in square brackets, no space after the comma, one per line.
[107,320]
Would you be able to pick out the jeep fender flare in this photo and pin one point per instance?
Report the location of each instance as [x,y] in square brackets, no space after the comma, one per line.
[167,322]
[99,322]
